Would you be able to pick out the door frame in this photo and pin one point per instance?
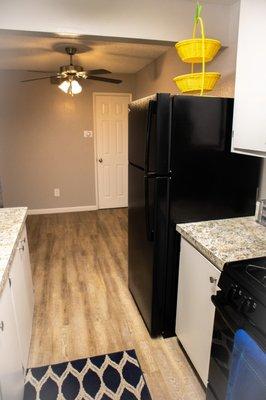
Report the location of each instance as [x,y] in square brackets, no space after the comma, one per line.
[94,95]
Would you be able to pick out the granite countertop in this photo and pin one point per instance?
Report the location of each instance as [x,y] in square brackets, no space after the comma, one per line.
[11,225]
[226,240]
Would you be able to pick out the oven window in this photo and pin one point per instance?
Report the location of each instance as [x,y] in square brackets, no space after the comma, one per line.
[247,378]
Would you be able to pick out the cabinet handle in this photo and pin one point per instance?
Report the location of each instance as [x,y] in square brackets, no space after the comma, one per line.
[2,326]
[21,248]
[214,283]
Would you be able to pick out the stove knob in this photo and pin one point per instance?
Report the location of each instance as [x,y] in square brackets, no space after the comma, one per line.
[248,305]
[234,292]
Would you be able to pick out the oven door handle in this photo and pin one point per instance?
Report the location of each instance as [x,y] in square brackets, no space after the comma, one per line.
[230,321]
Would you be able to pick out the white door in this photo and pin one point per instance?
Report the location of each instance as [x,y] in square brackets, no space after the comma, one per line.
[11,370]
[111,123]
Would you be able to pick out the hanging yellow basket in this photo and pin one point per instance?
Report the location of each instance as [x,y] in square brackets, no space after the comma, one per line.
[192,83]
[190,50]
[197,50]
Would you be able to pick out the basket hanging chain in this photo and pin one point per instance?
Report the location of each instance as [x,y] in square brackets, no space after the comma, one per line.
[197,20]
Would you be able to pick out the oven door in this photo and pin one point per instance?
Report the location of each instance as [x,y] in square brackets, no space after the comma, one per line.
[221,350]
[227,321]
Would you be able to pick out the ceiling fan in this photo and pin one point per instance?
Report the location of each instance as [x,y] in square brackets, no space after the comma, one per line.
[69,76]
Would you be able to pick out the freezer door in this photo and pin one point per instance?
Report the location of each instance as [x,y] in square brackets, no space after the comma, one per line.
[149,134]
[141,123]
[147,244]
[209,182]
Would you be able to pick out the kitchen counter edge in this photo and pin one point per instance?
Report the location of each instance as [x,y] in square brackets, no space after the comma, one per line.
[226,240]
[12,221]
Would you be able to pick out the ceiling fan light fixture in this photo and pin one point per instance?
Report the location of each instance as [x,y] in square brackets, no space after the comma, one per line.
[70,87]
[64,86]
[67,79]
[75,87]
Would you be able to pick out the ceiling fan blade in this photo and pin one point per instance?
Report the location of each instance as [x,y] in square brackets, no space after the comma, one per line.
[98,72]
[98,78]
[56,80]
[42,72]
[38,79]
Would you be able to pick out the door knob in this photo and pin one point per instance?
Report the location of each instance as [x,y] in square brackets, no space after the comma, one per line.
[100,160]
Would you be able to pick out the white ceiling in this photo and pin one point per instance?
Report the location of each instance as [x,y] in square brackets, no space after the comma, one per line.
[28,51]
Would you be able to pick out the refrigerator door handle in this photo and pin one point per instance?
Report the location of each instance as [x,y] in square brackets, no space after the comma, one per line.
[149,230]
[152,104]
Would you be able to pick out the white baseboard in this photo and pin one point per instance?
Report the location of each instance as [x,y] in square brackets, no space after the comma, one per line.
[61,210]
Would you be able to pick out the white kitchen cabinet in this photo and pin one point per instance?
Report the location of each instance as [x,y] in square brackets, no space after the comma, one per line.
[249,123]
[11,369]
[22,296]
[197,282]
[16,314]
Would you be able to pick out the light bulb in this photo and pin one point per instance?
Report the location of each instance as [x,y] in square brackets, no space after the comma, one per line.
[75,87]
[64,86]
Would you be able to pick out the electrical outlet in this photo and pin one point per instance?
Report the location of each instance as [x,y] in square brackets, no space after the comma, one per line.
[87,134]
[56,192]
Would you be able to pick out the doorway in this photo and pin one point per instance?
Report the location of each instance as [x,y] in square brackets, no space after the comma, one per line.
[111,148]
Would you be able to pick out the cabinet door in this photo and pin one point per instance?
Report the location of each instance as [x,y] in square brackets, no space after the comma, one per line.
[11,370]
[249,124]
[195,310]
[22,296]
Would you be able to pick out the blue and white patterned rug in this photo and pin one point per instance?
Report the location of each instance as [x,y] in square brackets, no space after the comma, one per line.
[115,376]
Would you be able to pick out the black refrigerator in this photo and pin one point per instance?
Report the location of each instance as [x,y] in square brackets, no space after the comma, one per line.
[180,169]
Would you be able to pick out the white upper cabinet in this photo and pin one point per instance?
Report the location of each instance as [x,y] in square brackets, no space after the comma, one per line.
[249,124]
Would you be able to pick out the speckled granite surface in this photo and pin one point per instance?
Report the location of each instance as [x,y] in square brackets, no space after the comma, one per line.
[226,240]
[11,225]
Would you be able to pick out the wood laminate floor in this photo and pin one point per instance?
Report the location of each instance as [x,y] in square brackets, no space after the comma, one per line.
[83,306]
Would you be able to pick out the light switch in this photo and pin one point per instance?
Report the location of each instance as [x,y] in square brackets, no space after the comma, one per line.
[88,134]
[56,192]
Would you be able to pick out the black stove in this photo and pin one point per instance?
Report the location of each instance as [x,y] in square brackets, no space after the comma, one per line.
[250,271]
[243,288]
[257,272]
[240,304]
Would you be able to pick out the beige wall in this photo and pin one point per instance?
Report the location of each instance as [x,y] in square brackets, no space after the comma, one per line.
[42,142]
[157,77]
